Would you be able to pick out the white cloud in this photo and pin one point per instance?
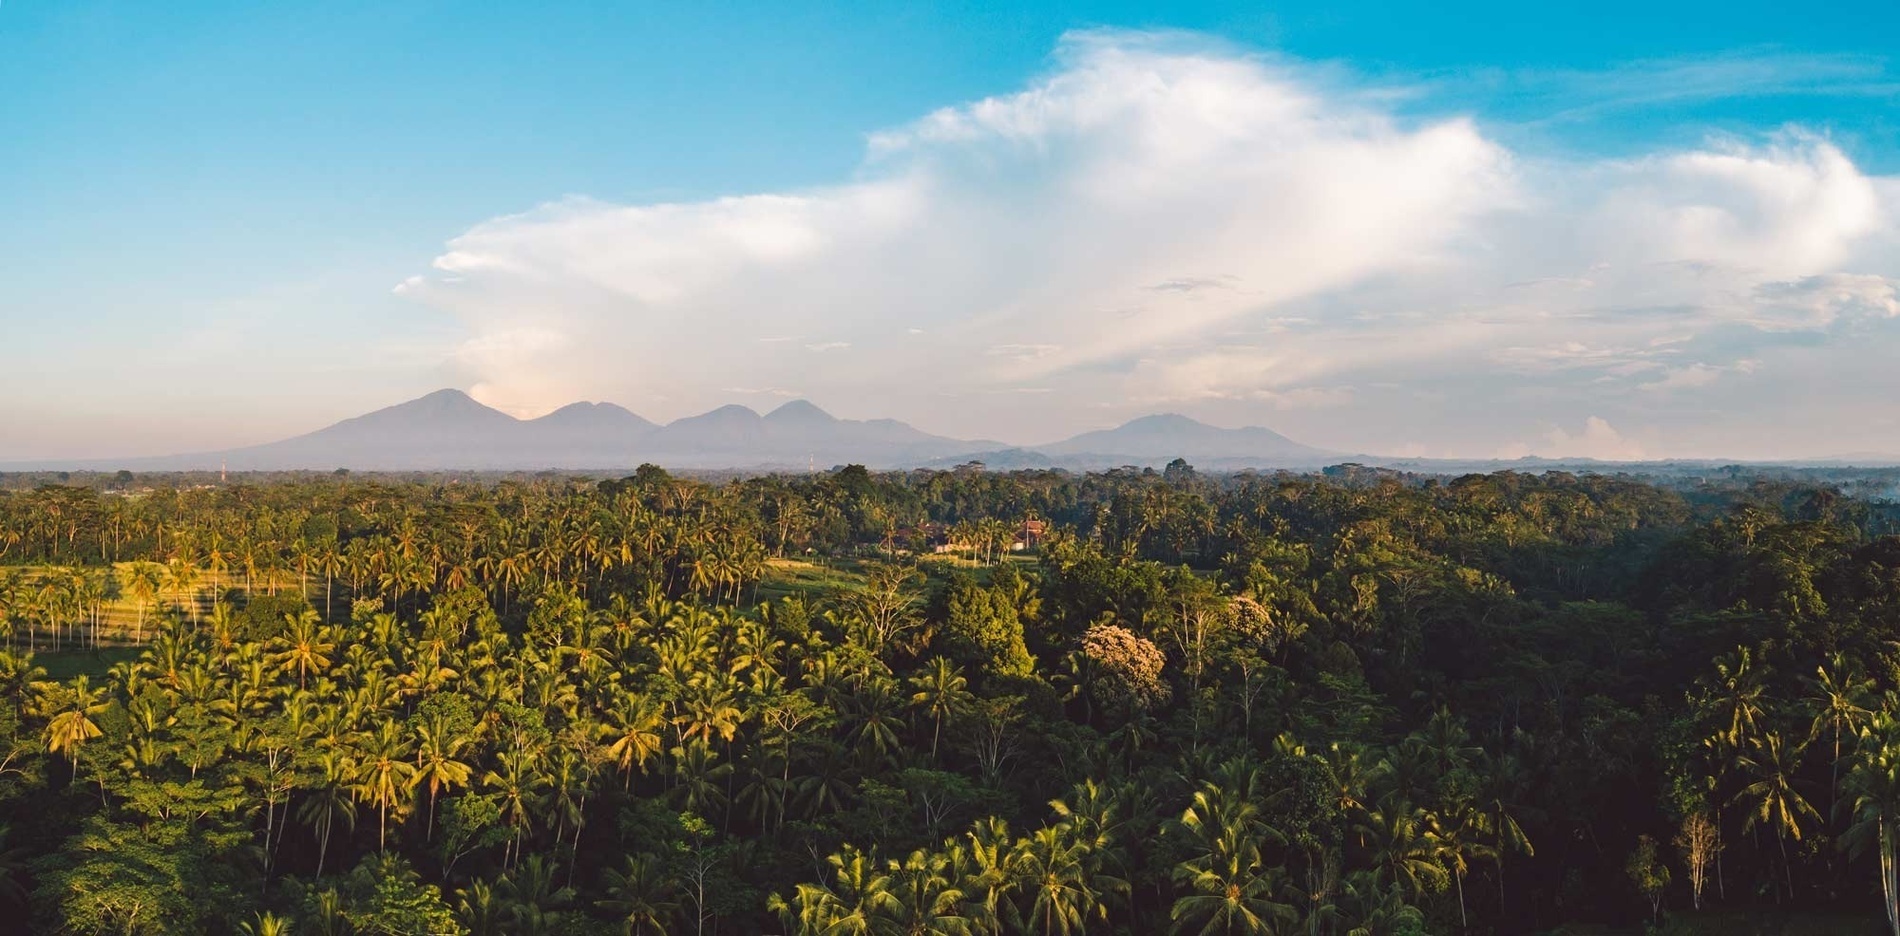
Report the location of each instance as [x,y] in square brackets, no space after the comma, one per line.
[1598,440]
[1821,301]
[1791,208]
[1022,352]
[1692,377]
[1160,219]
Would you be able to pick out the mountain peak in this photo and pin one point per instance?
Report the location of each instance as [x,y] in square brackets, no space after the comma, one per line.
[731,412]
[1169,435]
[1164,421]
[447,403]
[800,411]
[448,429]
[602,417]
[444,399]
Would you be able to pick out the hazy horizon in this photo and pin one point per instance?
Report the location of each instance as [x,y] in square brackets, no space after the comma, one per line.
[978,446]
[1678,238]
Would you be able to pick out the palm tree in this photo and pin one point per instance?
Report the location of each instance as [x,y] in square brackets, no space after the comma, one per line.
[875,708]
[181,577]
[569,777]
[941,693]
[1459,829]
[640,894]
[383,774]
[1734,697]
[437,766]
[329,561]
[1054,874]
[478,911]
[217,560]
[266,924]
[926,895]
[144,582]
[859,902]
[1773,797]
[1838,691]
[533,900]
[1503,779]
[69,711]
[986,865]
[1092,813]
[304,646]
[1873,788]
[700,778]
[1231,890]
[1403,850]
[632,729]
[329,801]
[517,783]
[709,709]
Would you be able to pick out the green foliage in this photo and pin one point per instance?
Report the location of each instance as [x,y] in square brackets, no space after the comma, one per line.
[1365,703]
[982,627]
[383,896]
[162,877]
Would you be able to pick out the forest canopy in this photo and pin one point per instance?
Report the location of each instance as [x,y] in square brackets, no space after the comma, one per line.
[958,702]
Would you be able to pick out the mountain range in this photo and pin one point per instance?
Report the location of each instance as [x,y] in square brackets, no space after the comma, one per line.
[448,429]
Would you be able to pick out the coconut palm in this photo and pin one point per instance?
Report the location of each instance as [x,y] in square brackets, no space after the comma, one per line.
[1773,797]
[1053,870]
[632,731]
[940,692]
[328,801]
[858,902]
[383,774]
[305,646]
[439,748]
[69,712]
[1402,849]
[1837,696]
[1230,888]
[1872,785]
[640,895]
[144,581]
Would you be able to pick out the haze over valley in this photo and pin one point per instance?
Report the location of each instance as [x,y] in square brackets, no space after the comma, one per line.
[448,430]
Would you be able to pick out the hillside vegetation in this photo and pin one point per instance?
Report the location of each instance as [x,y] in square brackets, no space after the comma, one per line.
[956,702]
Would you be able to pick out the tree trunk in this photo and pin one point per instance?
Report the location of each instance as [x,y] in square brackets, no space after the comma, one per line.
[1889,875]
[323,843]
[1721,883]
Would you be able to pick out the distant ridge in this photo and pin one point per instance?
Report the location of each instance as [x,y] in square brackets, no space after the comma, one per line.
[797,434]
[448,430]
[1171,435]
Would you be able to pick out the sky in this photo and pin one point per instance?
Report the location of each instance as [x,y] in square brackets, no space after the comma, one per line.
[1614,230]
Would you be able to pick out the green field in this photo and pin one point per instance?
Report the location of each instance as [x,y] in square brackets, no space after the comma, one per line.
[66,664]
[814,579]
[120,617]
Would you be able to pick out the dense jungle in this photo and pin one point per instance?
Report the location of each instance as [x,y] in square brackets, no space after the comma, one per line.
[957,702]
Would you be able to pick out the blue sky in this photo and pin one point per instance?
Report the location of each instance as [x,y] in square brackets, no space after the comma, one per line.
[206,210]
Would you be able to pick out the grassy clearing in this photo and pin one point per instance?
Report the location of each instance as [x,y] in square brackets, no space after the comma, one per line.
[786,577]
[981,570]
[121,617]
[789,576]
[66,664]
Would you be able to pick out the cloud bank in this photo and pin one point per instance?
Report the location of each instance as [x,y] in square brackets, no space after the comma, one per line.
[1164,223]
